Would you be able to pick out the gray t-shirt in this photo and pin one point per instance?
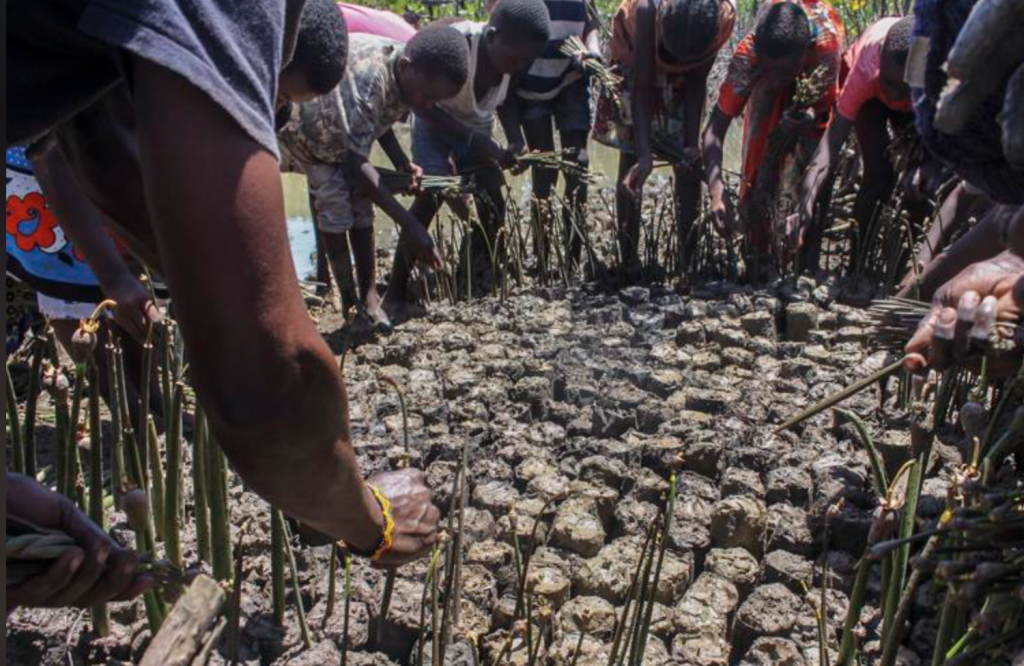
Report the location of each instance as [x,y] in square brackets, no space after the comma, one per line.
[63,55]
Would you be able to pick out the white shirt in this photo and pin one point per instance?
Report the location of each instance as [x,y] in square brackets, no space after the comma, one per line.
[465,107]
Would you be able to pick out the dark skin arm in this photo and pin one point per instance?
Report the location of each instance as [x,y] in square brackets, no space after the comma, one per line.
[818,171]
[95,571]
[83,224]
[484,147]
[508,116]
[643,100]
[101,140]
[368,179]
[980,243]
[270,384]
[712,154]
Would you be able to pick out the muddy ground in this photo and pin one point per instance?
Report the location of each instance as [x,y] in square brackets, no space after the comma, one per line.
[595,394]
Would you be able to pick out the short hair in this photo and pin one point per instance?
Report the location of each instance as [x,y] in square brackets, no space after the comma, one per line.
[689,27]
[321,48]
[782,31]
[896,46]
[440,50]
[527,21]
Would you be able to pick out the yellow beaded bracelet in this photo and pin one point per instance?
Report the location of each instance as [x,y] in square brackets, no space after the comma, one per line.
[387,540]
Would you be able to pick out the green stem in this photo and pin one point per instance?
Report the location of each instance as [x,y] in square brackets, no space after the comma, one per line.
[117,468]
[35,382]
[172,487]
[67,484]
[142,427]
[220,529]
[332,583]
[348,608]
[157,474]
[100,613]
[135,468]
[277,558]
[877,466]
[200,496]
[14,424]
[860,585]
[307,642]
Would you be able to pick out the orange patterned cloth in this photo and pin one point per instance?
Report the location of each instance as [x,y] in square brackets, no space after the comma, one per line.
[743,87]
[624,32]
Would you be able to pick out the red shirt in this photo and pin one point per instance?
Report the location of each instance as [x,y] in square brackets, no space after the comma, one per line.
[862,66]
[743,87]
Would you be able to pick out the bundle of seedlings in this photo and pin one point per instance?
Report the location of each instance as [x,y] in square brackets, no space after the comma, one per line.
[574,47]
[29,550]
[769,196]
[444,186]
[561,160]
[668,150]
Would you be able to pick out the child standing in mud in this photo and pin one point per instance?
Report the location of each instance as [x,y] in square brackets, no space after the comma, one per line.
[873,96]
[556,91]
[790,40]
[456,135]
[665,49]
[330,138]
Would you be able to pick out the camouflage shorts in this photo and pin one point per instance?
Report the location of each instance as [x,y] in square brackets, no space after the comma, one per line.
[340,208]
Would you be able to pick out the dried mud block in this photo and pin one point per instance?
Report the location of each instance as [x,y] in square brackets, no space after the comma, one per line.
[739,522]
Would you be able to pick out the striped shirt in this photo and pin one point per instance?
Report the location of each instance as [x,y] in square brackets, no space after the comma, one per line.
[552,71]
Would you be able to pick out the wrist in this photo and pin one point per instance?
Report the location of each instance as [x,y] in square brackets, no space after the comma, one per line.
[367,535]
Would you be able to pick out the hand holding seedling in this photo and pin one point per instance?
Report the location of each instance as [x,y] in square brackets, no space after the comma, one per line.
[94,572]
[136,312]
[416,518]
[983,300]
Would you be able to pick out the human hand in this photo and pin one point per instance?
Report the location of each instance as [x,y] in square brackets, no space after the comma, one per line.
[796,122]
[416,518]
[579,60]
[136,312]
[417,176]
[723,217]
[965,312]
[633,183]
[510,157]
[421,244]
[94,572]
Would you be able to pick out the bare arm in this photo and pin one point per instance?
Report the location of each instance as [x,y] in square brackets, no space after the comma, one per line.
[822,164]
[712,153]
[643,99]
[508,115]
[456,131]
[83,224]
[274,397]
[980,243]
[393,149]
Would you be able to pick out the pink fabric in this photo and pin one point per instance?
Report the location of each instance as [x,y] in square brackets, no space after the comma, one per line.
[376,22]
[863,63]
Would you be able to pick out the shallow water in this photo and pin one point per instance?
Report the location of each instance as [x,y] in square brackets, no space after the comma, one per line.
[603,160]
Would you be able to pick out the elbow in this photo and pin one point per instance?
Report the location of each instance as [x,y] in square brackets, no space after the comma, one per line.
[279,397]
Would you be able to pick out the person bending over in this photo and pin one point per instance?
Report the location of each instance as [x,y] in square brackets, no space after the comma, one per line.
[195,187]
[873,95]
[664,50]
[790,40]
[456,135]
[329,139]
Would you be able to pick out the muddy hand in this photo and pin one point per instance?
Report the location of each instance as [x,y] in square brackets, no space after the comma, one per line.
[95,572]
[966,312]
[416,517]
